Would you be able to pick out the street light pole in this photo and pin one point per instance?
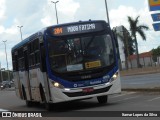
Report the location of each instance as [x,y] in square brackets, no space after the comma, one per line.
[1,73]
[6,53]
[6,59]
[20,31]
[1,76]
[107,12]
[56,9]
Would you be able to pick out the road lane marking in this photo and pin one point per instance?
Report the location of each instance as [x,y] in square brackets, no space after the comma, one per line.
[154,99]
[123,94]
[127,98]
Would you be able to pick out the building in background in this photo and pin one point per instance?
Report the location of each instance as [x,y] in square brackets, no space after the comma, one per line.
[145,60]
[123,36]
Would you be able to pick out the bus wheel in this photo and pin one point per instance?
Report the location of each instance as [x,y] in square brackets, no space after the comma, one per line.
[102,99]
[29,103]
[47,105]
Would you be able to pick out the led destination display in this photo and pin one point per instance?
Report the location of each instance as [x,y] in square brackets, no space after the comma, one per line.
[77,29]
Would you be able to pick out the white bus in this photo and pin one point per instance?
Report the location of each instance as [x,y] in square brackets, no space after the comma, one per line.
[66,62]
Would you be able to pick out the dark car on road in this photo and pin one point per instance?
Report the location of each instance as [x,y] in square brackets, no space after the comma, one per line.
[5,84]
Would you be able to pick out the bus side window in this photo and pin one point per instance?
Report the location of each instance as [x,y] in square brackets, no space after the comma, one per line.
[36,51]
[37,59]
[26,65]
[43,61]
[21,63]
[34,57]
[14,61]
[20,59]
[31,55]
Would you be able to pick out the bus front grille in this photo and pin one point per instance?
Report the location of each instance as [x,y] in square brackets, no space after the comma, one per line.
[76,94]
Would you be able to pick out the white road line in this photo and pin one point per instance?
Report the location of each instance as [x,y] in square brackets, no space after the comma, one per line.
[154,99]
[127,98]
[123,94]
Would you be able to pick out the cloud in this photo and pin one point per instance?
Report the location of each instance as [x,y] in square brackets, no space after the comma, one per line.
[32,16]
[119,17]
[2,29]
[90,9]
[1,54]
[66,11]
[2,9]
[47,20]
[10,34]
[68,7]
[36,14]
[12,30]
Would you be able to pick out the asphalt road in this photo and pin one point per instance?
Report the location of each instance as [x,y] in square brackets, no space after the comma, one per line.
[141,81]
[124,102]
[127,101]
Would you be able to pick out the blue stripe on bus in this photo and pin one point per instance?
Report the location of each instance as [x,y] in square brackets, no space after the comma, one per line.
[68,84]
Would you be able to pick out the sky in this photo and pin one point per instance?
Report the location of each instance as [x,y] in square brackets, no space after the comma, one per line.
[34,15]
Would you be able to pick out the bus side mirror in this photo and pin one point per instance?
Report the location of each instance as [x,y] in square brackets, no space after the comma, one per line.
[43,60]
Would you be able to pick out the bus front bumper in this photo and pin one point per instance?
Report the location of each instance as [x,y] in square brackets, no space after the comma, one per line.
[69,94]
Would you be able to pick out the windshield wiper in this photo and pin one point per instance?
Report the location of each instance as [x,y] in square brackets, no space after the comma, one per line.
[89,43]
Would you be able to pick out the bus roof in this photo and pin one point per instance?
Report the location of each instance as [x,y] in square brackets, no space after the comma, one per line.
[41,32]
[28,39]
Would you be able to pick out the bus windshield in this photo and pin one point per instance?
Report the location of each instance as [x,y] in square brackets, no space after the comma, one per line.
[80,53]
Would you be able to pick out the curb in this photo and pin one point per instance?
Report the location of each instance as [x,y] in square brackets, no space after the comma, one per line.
[140,73]
[8,89]
[142,89]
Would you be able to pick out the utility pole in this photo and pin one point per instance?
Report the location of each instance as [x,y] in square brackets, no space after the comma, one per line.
[56,9]
[6,59]
[107,12]
[1,73]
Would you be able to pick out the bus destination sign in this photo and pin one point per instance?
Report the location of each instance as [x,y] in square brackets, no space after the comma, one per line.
[76,29]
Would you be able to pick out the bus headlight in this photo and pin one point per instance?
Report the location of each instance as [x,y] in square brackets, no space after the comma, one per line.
[114,77]
[57,85]
[67,89]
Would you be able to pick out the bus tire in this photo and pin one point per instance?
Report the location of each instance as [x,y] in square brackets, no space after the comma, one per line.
[29,103]
[24,93]
[48,106]
[102,99]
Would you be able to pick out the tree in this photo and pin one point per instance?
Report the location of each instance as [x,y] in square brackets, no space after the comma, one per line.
[128,48]
[156,54]
[117,47]
[131,45]
[5,75]
[135,28]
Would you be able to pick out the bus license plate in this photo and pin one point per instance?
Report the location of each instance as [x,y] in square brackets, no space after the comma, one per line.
[88,90]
